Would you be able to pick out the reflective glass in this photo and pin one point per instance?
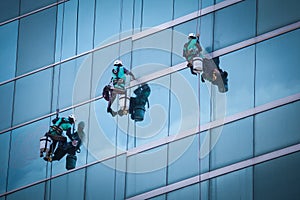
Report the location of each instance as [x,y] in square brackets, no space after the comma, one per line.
[146,171]
[191,193]
[33,192]
[160,197]
[69,186]
[152,50]
[274,14]
[9,9]
[25,164]
[230,29]
[105,29]
[72,82]
[278,179]
[36,41]
[31,5]
[8,50]
[277,128]
[240,68]
[120,177]
[127,17]
[66,33]
[100,180]
[150,10]
[32,96]
[182,7]
[235,185]
[85,25]
[277,77]
[183,154]
[4,155]
[184,109]
[6,104]
[231,145]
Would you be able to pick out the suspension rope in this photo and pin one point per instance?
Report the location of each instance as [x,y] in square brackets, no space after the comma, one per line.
[198,31]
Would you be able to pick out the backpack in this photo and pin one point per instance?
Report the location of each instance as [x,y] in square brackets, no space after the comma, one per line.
[105,92]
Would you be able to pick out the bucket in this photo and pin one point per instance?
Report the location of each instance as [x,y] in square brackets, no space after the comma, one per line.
[45,143]
[71,161]
[124,101]
[197,64]
[138,113]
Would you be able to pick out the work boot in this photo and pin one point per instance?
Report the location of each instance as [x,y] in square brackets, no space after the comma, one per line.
[113,113]
[48,158]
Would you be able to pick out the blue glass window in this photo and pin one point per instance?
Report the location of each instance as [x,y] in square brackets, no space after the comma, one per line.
[85,25]
[4,149]
[230,144]
[277,128]
[277,68]
[143,174]
[8,50]
[34,192]
[150,10]
[6,105]
[31,5]
[230,29]
[274,14]
[278,179]
[69,186]
[32,96]
[182,7]
[236,185]
[191,193]
[25,164]
[9,10]
[36,41]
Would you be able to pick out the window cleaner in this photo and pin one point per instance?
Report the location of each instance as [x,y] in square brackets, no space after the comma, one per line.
[117,86]
[191,52]
[56,133]
[137,104]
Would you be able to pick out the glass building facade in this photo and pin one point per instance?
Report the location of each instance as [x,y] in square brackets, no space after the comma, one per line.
[194,142]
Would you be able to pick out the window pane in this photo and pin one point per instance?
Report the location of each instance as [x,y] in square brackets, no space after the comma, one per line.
[277,77]
[85,25]
[102,186]
[36,41]
[25,165]
[66,31]
[278,179]
[277,128]
[182,7]
[273,14]
[231,145]
[4,156]
[183,154]
[230,29]
[31,5]
[146,171]
[191,193]
[240,68]
[9,10]
[6,100]
[152,7]
[32,96]
[104,29]
[236,185]
[34,192]
[69,186]
[8,41]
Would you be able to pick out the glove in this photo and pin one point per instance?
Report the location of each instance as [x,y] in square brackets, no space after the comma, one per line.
[74,143]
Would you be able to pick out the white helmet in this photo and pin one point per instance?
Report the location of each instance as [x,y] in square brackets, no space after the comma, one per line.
[118,62]
[72,117]
[192,35]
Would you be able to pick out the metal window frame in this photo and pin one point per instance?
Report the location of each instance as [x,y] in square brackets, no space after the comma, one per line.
[32,12]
